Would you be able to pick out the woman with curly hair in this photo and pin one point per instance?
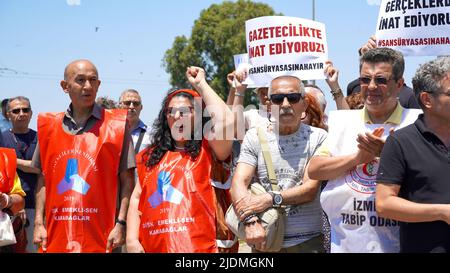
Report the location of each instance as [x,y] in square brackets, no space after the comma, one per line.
[313,115]
[172,208]
[355,101]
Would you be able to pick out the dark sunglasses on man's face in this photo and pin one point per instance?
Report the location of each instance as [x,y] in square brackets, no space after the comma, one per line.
[377,80]
[129,102]
[291,97]
[17,110]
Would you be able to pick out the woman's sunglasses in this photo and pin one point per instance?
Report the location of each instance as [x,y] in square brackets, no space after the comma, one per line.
[184,111]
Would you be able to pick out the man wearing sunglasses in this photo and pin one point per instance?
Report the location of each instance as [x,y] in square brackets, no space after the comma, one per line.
[413,178]
[131,100]
[87,161]
[23,140]
[406,94]
[291,145]
[349,157]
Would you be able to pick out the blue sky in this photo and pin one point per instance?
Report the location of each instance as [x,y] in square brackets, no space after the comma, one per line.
[126,40]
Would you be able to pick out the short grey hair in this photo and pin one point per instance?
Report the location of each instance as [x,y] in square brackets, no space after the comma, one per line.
[19,98]
[129,91]
[385,55]
[320,96]
[429,75]
[301,87]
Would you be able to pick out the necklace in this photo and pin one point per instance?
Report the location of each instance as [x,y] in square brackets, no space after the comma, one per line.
[179,148]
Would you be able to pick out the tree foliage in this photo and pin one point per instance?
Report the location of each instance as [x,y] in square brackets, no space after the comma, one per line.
[217,35]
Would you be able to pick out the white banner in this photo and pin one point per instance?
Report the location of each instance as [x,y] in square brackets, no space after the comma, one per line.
[241,64]
[280,45]
[415,27]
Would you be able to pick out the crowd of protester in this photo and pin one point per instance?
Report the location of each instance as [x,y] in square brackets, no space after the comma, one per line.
[371,176]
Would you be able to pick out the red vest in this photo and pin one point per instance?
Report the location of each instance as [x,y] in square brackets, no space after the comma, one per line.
[81,179]
[8,164]
[177,204]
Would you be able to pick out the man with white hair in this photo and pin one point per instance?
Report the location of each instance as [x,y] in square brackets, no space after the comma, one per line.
[23,140]
[131,100]
[291,145]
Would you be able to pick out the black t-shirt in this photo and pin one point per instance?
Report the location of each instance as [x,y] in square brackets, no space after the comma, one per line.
[405,97]
[417,160]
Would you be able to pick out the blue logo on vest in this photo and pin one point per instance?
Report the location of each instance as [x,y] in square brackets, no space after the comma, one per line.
[165,192]
[72,181]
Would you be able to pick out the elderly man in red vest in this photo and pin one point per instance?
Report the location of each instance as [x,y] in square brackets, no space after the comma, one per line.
[86,155]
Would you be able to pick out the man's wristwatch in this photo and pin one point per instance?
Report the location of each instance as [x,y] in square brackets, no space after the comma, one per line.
[277,199]
[121,222]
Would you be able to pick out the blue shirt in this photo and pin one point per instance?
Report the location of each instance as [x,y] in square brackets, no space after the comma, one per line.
[135,135]
[5,124]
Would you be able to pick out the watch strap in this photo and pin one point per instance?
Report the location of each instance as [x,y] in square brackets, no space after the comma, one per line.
[121,222]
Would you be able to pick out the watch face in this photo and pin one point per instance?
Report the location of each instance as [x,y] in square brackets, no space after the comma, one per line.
[278,199]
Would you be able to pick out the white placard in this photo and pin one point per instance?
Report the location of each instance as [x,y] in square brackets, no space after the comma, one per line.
[415,27]
[281,45]
[241,64]
[240,61]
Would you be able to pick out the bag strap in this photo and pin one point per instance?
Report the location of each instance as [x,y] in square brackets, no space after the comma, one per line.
[139,142]
[268,159]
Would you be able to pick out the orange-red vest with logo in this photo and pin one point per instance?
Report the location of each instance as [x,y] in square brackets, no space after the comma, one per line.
[81,180]
[8,164]
[177,203]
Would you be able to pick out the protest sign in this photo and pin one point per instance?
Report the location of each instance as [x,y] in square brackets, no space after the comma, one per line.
[241,64]
[415,27]
[280,45]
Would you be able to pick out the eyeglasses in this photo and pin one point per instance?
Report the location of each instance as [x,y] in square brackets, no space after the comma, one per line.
[291,97]
[184,111]
[17,110]
[129,102]
[377,80]
[444,93]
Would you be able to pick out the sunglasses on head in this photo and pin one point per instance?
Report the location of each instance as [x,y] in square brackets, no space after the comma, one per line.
[291,97]
[377,80]
[129,102]
[17,110]
[184,111]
